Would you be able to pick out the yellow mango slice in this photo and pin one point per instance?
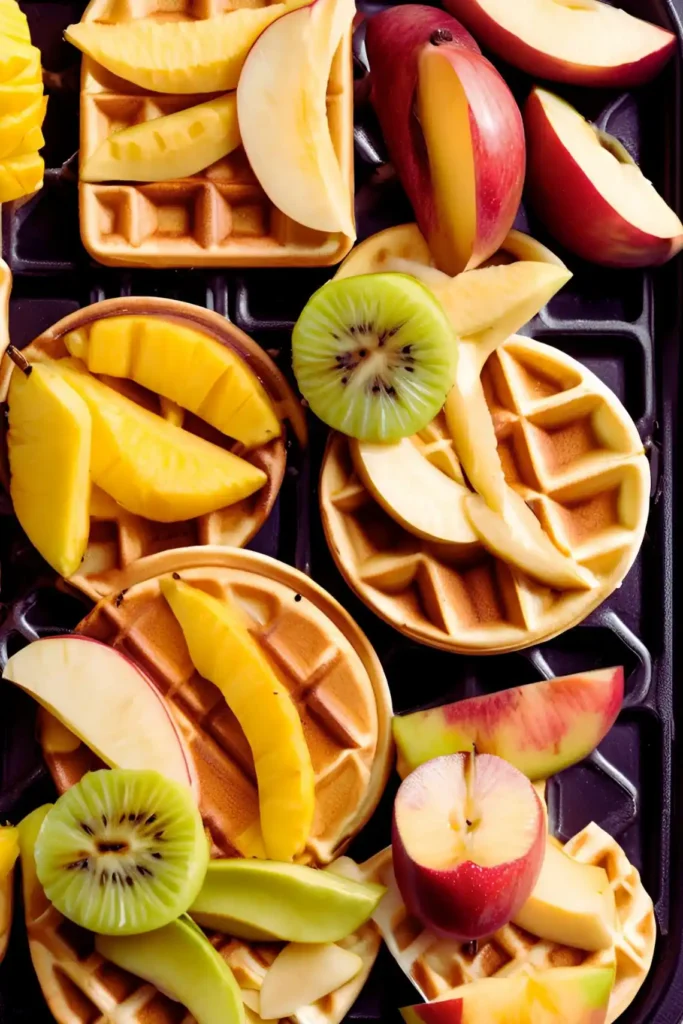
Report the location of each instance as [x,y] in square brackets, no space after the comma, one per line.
[49,444]
[13,23]
[16,57]
[185,366]
[175,146]
[151,467]
[224,652]
[176,56]
[20,176]
[14,128]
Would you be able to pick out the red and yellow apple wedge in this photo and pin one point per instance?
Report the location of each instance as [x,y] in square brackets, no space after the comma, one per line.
[468,841]
[282,111]
[540,728]
[579,41]
[590,194]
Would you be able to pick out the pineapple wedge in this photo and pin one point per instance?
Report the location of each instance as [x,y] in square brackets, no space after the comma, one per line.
[13,23]
[49,443]
[151,467]
[17,57]
[223,651]
[183,365]
[20,175]
[175,146]
[14,128]
[176,56]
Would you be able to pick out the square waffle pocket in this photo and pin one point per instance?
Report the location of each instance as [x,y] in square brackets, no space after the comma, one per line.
[220,217]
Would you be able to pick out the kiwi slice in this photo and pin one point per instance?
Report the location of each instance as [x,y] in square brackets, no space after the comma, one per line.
[122,851]
[374,356]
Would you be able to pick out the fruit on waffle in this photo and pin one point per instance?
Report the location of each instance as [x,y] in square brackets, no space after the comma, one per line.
[9,851]
[566,450]
[22,107]
[219,215]
[435,966]
[317,652]
[205,377]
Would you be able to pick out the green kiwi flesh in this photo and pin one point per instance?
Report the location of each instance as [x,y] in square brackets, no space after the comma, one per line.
[122,852]
[374,356]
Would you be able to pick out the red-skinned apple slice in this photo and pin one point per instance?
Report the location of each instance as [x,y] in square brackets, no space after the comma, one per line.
[590,194]
[540,728]
[105,700]
[579,41]
[468,841]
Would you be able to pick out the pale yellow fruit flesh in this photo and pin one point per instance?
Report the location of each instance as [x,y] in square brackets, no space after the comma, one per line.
[151,467]
[303,973]
[224,652]
[49,449]
[185,366]
[622,185]
[20,175]
[15,58]
[176,56]
[372,256]
[9,849]
[571,903]
[13,23]
[15,127]
[175,146]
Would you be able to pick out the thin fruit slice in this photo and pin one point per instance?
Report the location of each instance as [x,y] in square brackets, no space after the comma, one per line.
[15,127]
[105,700]
[17,57]
[9,848]
[302,974]
[20,175]
[224,652]
[14,24]
[517,537]
[415,493]
[374,356]
[182,365]
[151,467]
[35,901]
[181,962]
[175,146]
[49,448]
[176,56]
[261,900]
[122,852]
[405,241]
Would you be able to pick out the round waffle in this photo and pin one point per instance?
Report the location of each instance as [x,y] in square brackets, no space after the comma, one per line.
[319,653]
[437,965]
[118,538]
[572,452]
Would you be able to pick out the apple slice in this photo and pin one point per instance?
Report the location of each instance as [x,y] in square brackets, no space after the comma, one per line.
[416,494]
[468,842]
[579,41]
[372,256]
[106,700]
[541,728]
[591,195]
[302,974]
[282,112]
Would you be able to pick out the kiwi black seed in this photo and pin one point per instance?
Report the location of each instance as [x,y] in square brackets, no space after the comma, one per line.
[122,851]
[374,356]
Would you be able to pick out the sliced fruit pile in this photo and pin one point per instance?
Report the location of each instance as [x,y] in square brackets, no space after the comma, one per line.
[22,106]
[82,430]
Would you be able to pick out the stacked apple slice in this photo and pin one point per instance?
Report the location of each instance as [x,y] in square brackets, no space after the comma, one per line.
[22,106]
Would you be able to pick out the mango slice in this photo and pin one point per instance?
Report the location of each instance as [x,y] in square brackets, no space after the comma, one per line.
[151,467]
[175,146]
[224,652]
[185,366]
[49,445]
[20,175]
[176,56]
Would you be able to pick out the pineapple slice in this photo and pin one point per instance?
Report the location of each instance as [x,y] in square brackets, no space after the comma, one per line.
[17,57]
[183,365]
[15,128]
[175,146]
[13,23]
[20,175]
[16,95]
[151,467]
[177,56]
[49,443]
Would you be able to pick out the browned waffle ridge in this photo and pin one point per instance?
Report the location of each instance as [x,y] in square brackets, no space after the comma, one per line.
[119,538]
[568,447]
[218,218]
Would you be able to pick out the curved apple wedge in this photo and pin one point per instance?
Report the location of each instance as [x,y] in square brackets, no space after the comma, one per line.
[300,975]
[282,112]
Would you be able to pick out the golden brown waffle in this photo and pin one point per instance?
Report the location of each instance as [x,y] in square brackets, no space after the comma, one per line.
[320,655]
[118,538]
[220,217]
[436,965]
[568,447]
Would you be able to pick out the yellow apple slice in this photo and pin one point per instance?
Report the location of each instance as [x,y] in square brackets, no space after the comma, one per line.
[224,652]
[372,256]
[176,56]
[49,449]
[303,973]
[175,146]
[282,108]
[414,492]
[516,536]
[151,467]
